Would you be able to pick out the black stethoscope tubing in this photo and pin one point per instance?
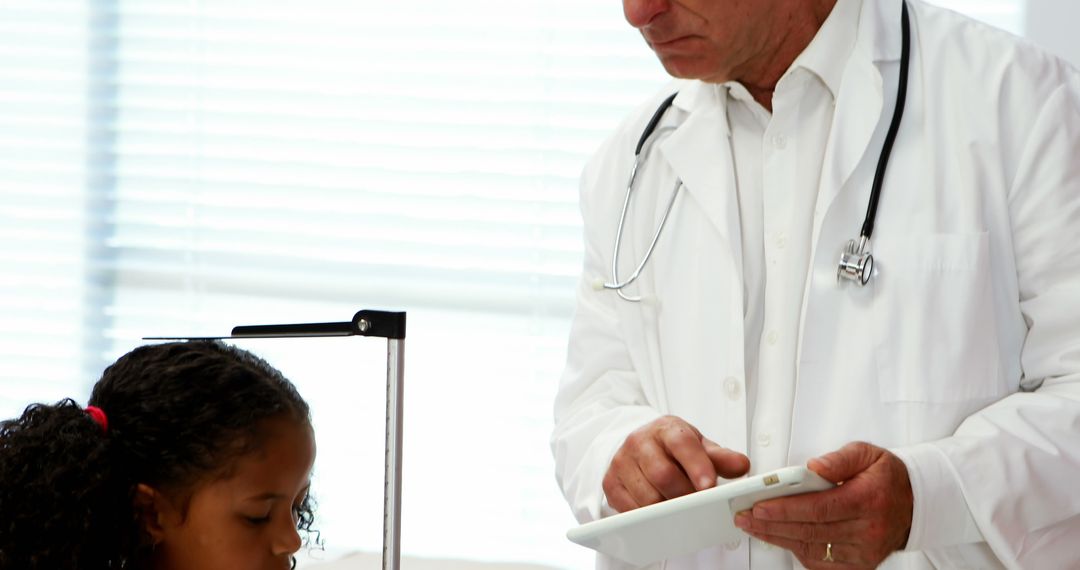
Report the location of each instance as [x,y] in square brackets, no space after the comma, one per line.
[894,127]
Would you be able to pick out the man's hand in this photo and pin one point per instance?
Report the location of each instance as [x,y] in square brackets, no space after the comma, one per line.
[664,459]
[864,520]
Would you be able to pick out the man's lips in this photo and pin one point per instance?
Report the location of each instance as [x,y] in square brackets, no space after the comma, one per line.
[669,42]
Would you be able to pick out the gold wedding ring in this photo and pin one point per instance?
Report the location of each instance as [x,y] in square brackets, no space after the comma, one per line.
[828,553]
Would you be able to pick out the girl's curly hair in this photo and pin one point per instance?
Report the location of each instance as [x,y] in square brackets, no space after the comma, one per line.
[179,415]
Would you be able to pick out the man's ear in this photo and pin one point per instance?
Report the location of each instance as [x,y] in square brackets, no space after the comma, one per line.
[153,510]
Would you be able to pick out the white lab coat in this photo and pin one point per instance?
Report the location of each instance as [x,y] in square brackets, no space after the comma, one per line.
[964,351]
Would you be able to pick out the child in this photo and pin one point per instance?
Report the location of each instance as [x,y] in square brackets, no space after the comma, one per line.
[191,455]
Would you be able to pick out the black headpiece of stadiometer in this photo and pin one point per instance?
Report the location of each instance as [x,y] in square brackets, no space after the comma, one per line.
[384,324]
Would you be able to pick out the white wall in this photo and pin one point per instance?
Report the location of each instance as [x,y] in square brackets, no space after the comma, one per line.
[1052,24]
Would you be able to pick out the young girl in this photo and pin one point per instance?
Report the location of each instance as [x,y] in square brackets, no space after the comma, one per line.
[192,455]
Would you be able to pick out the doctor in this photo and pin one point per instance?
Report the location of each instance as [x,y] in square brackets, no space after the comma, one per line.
[944,393]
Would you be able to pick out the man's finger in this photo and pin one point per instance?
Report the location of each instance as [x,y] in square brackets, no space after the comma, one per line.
[812,555]
[845,463]
[834,505]
[620,499]
[844,532]
[638,485]
[686,449]
[665,475]
[728,464]
[662,472]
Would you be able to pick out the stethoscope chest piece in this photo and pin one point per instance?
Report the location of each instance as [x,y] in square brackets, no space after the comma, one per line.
[856,262]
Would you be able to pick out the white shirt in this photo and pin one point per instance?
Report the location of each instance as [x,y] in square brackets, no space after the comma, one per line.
[778,163]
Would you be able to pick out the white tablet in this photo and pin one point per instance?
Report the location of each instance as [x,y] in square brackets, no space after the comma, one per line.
[692,522]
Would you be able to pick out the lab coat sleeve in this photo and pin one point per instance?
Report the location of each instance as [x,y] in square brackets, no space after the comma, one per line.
[601,399]
[1016,463]
[941,522]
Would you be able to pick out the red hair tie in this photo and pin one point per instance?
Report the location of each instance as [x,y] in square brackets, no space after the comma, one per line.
[99,417]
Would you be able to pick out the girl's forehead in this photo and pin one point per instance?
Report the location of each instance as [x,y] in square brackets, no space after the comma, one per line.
[281,466]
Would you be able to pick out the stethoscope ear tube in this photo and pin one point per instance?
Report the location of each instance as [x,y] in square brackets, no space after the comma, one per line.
[617,285]
[651,126]
[639,159]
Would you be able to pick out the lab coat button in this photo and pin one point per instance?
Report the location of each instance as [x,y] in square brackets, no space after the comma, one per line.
[732,387]
[764,439]
[773,337]
[733,545]
[780,141]
[781,240]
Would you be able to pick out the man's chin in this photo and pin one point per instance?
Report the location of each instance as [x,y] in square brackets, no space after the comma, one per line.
[691,68]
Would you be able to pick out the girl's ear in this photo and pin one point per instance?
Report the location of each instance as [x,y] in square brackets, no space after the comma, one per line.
[152,509]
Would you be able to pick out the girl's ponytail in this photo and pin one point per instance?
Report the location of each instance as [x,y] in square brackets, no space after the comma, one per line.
[65,501]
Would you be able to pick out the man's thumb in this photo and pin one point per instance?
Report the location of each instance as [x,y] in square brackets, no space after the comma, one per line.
[845,463]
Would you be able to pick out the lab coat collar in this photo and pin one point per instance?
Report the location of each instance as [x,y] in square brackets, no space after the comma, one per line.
[831,47]
[699,96]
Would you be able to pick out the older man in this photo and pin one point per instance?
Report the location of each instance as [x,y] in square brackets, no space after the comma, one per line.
[944,394]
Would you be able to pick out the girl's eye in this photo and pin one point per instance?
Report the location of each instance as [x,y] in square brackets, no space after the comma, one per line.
[298,508]
[258,520]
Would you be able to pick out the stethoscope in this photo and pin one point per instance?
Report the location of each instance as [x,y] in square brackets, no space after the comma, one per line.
[856,260]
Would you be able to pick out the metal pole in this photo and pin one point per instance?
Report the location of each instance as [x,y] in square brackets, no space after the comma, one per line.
[395,387]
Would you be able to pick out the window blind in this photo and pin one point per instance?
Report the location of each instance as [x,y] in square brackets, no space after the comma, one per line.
[44,143]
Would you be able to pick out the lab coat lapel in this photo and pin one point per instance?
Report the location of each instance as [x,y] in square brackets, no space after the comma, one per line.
[858,111]
[699,151]
[700,296]
[861,99]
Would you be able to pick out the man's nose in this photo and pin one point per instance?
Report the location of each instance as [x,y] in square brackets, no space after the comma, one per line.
[640,12]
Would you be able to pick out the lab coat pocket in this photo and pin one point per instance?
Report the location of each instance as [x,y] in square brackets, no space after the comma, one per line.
[934,325]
